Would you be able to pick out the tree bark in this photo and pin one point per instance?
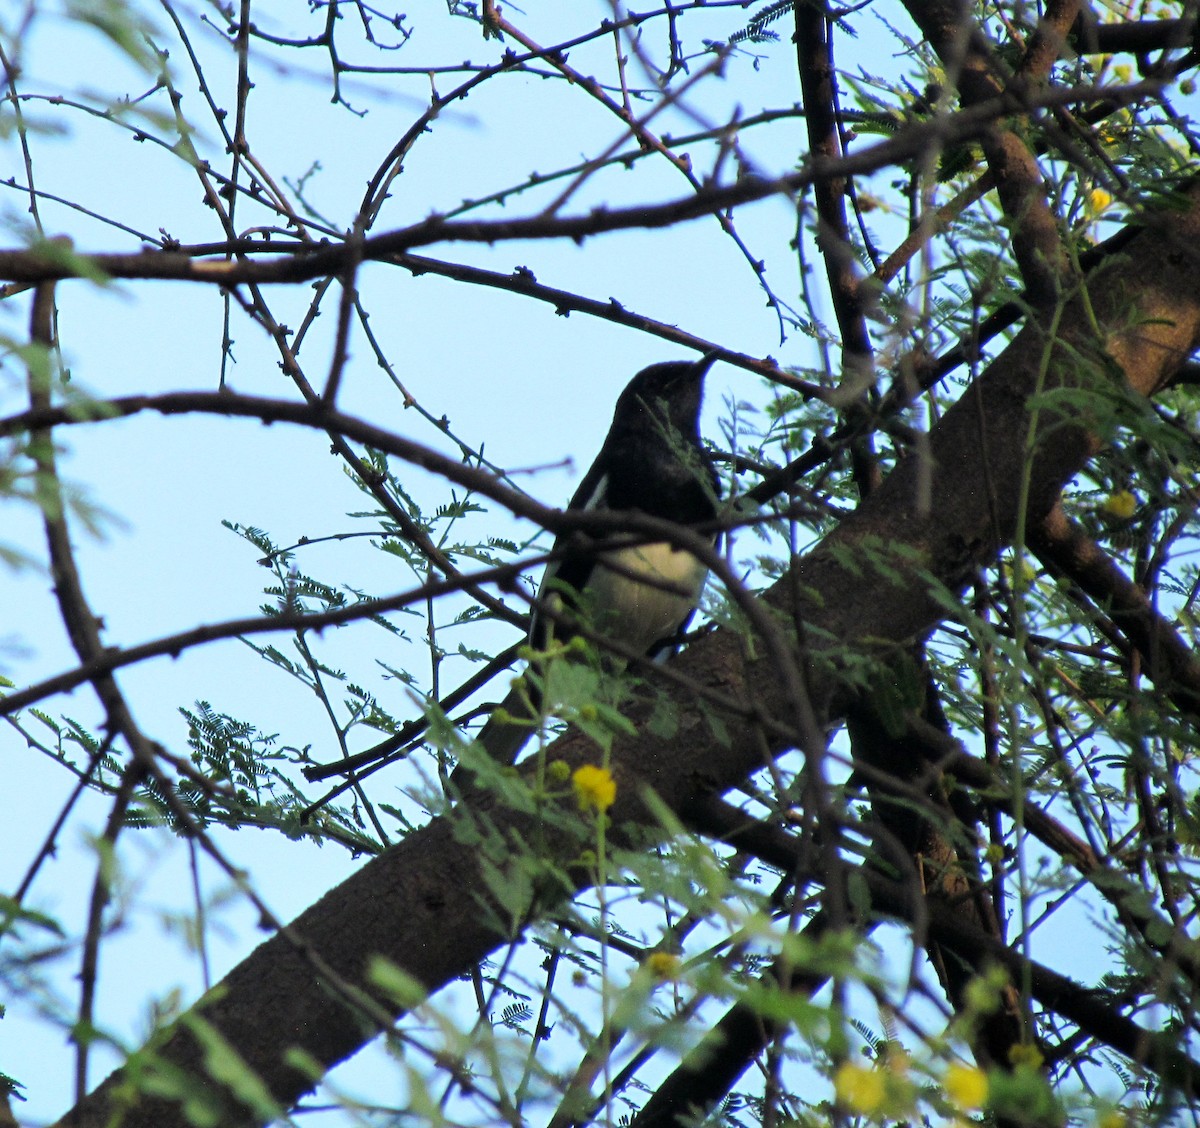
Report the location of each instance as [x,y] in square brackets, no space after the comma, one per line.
[886,577]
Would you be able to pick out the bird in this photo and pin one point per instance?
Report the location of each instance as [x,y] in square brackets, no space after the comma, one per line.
[652,462]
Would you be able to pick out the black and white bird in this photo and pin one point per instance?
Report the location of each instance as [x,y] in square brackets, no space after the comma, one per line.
[652,462]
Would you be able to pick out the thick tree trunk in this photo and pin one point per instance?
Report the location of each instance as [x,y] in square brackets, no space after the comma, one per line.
[886,577]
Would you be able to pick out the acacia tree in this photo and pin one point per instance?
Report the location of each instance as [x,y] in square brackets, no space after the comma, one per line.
[944,689]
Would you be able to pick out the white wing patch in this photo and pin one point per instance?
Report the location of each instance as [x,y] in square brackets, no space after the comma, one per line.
[596,496]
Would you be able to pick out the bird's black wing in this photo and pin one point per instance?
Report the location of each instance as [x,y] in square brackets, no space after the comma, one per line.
[571,571]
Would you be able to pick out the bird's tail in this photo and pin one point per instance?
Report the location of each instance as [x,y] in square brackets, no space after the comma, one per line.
[506,732]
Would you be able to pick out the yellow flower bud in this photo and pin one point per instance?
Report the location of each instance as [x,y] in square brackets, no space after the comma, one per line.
[663,965]
[966,1085]
[859,1088]
[1024,1054]
[1122,504]
[595,788]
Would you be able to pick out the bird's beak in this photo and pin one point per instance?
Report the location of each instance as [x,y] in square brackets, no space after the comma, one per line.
[701,366]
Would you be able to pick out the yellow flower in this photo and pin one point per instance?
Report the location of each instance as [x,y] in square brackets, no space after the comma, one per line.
[663,965]
[1114,1118]
[897,1060]
[966,1085]
[859,1088]
[1121,504]
[1021,577]
[1023,1054]
[1098,199]
[595,788]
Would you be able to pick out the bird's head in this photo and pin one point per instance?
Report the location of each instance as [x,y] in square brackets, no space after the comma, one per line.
[675,387]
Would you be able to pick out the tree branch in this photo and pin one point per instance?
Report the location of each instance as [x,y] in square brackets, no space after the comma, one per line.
[884,578]
[303,264]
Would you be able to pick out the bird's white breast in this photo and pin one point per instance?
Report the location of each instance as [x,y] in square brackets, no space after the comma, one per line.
[640,613]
